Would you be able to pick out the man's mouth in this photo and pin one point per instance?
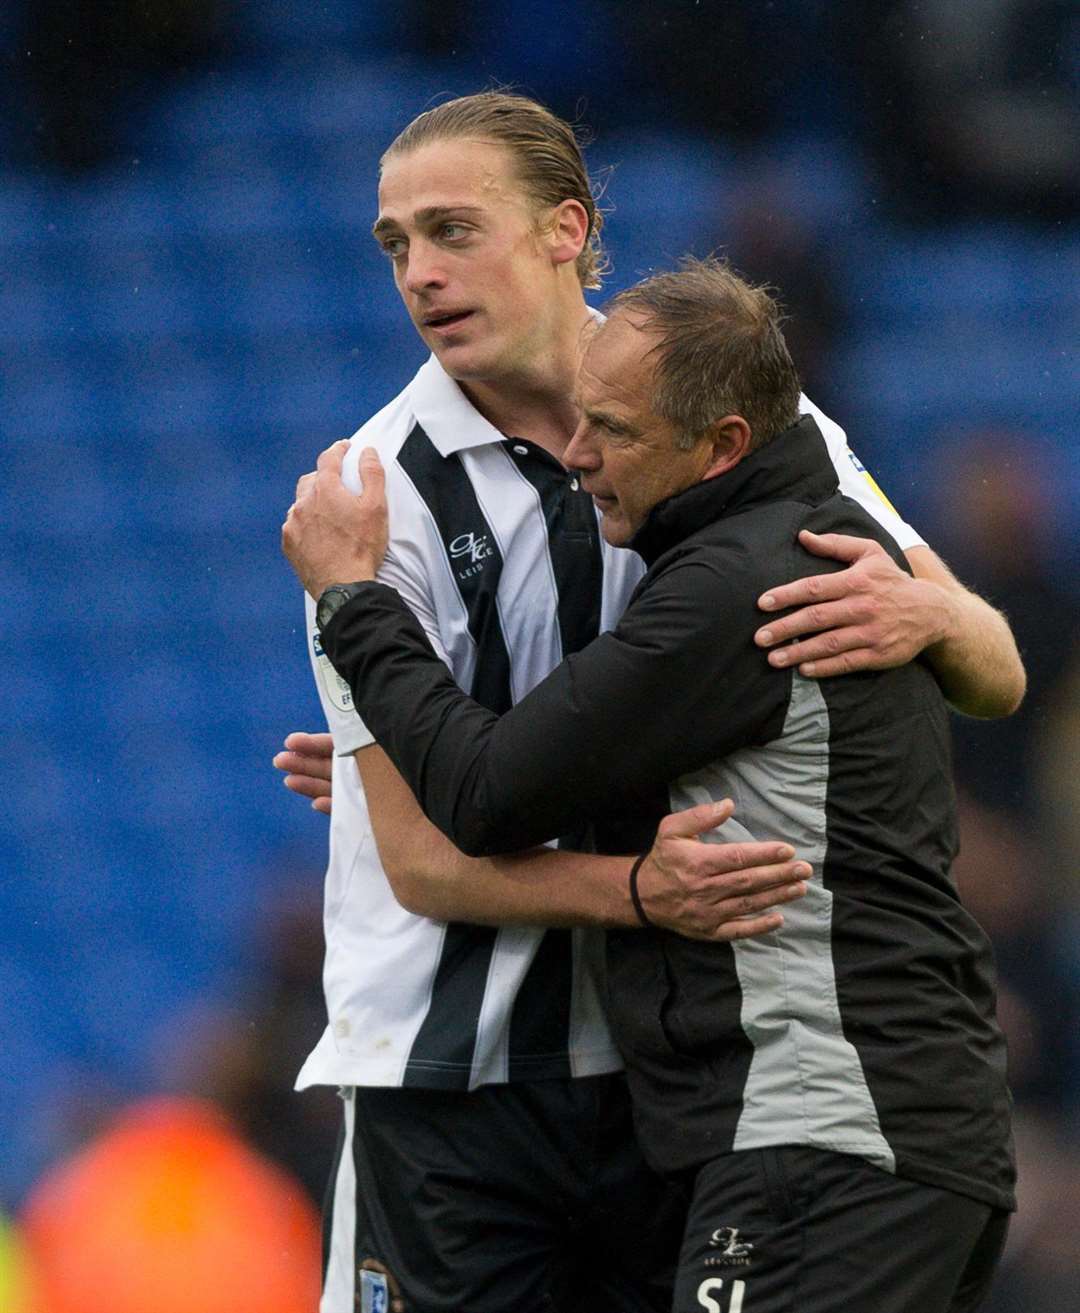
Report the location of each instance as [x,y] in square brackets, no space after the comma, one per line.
[443,321]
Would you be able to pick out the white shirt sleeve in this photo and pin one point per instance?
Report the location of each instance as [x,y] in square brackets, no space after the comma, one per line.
[857,482]
[348,730]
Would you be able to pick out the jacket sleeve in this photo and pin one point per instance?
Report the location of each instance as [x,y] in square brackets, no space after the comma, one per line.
[678,683]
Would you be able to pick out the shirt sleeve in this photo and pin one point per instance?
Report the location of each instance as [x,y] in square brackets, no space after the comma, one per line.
[676,684]
[348,730]
[401,570]
[857,482]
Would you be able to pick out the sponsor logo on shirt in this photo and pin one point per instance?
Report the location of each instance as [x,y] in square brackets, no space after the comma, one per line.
[870,480]
[469,551]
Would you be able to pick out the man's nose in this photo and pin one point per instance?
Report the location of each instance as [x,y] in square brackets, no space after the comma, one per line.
[581,453]
[422,270]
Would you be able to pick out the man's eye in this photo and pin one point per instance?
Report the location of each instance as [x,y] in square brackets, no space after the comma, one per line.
[453,231]
[394,246]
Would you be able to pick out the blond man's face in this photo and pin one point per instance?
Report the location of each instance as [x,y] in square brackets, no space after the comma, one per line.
[468,259]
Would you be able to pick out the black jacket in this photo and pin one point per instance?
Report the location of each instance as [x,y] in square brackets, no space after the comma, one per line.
[866,1025]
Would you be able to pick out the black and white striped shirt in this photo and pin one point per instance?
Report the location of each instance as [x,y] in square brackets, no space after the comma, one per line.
[498,553]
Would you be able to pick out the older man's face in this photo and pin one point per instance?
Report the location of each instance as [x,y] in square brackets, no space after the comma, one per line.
[627,454]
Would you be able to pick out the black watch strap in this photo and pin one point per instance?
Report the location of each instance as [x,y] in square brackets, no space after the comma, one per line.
[331,600]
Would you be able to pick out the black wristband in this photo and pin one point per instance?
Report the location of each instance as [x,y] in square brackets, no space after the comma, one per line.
[635,897]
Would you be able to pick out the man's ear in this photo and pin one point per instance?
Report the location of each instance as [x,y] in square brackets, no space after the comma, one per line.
[730,440]
[567,231]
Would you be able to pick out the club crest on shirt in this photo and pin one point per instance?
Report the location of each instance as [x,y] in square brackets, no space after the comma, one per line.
[377,1291]
[337,690]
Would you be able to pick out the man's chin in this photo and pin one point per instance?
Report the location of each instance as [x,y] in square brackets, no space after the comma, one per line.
[614,530]
[461,360]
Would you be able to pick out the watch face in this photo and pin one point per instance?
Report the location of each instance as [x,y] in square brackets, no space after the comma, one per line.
[331,601]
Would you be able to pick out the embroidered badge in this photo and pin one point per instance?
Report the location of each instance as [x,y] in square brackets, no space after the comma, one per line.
[377,1291]
[337,690]
[733,1251]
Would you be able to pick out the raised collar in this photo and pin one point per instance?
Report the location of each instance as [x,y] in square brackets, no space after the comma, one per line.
[795,465]
[446,414]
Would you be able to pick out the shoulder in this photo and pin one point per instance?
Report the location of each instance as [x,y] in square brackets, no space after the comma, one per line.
[735,553]
[386,430]
[708,587]
[857,482]
[835,437]
[844,460]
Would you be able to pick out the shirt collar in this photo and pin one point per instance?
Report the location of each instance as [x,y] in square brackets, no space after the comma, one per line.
[446,414]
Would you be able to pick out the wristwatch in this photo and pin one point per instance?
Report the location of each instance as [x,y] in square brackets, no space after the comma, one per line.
[331,600]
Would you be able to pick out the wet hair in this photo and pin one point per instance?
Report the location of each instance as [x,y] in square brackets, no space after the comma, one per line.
[545,149]
[721,351]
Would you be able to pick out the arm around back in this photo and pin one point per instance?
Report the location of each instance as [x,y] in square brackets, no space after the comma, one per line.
[976,661]
[674,686]
[874,616]
[700,890]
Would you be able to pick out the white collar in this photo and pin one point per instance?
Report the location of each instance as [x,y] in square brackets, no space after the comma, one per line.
[446,414]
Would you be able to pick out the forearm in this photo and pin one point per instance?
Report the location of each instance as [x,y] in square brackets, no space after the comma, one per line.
[715,891]
[496,784]
[430,877]
[976,661]
[544,887]
[438,739]
[978,666]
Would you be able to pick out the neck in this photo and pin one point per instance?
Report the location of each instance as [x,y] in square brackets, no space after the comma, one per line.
[536,402]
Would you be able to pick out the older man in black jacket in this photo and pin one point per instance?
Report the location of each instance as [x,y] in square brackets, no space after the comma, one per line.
[833,1093]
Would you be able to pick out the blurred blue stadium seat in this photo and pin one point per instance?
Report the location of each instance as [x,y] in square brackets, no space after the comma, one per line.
[322,23]
[668,196]
[570,45]
[958,273]
[1004,372]
[294,107]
